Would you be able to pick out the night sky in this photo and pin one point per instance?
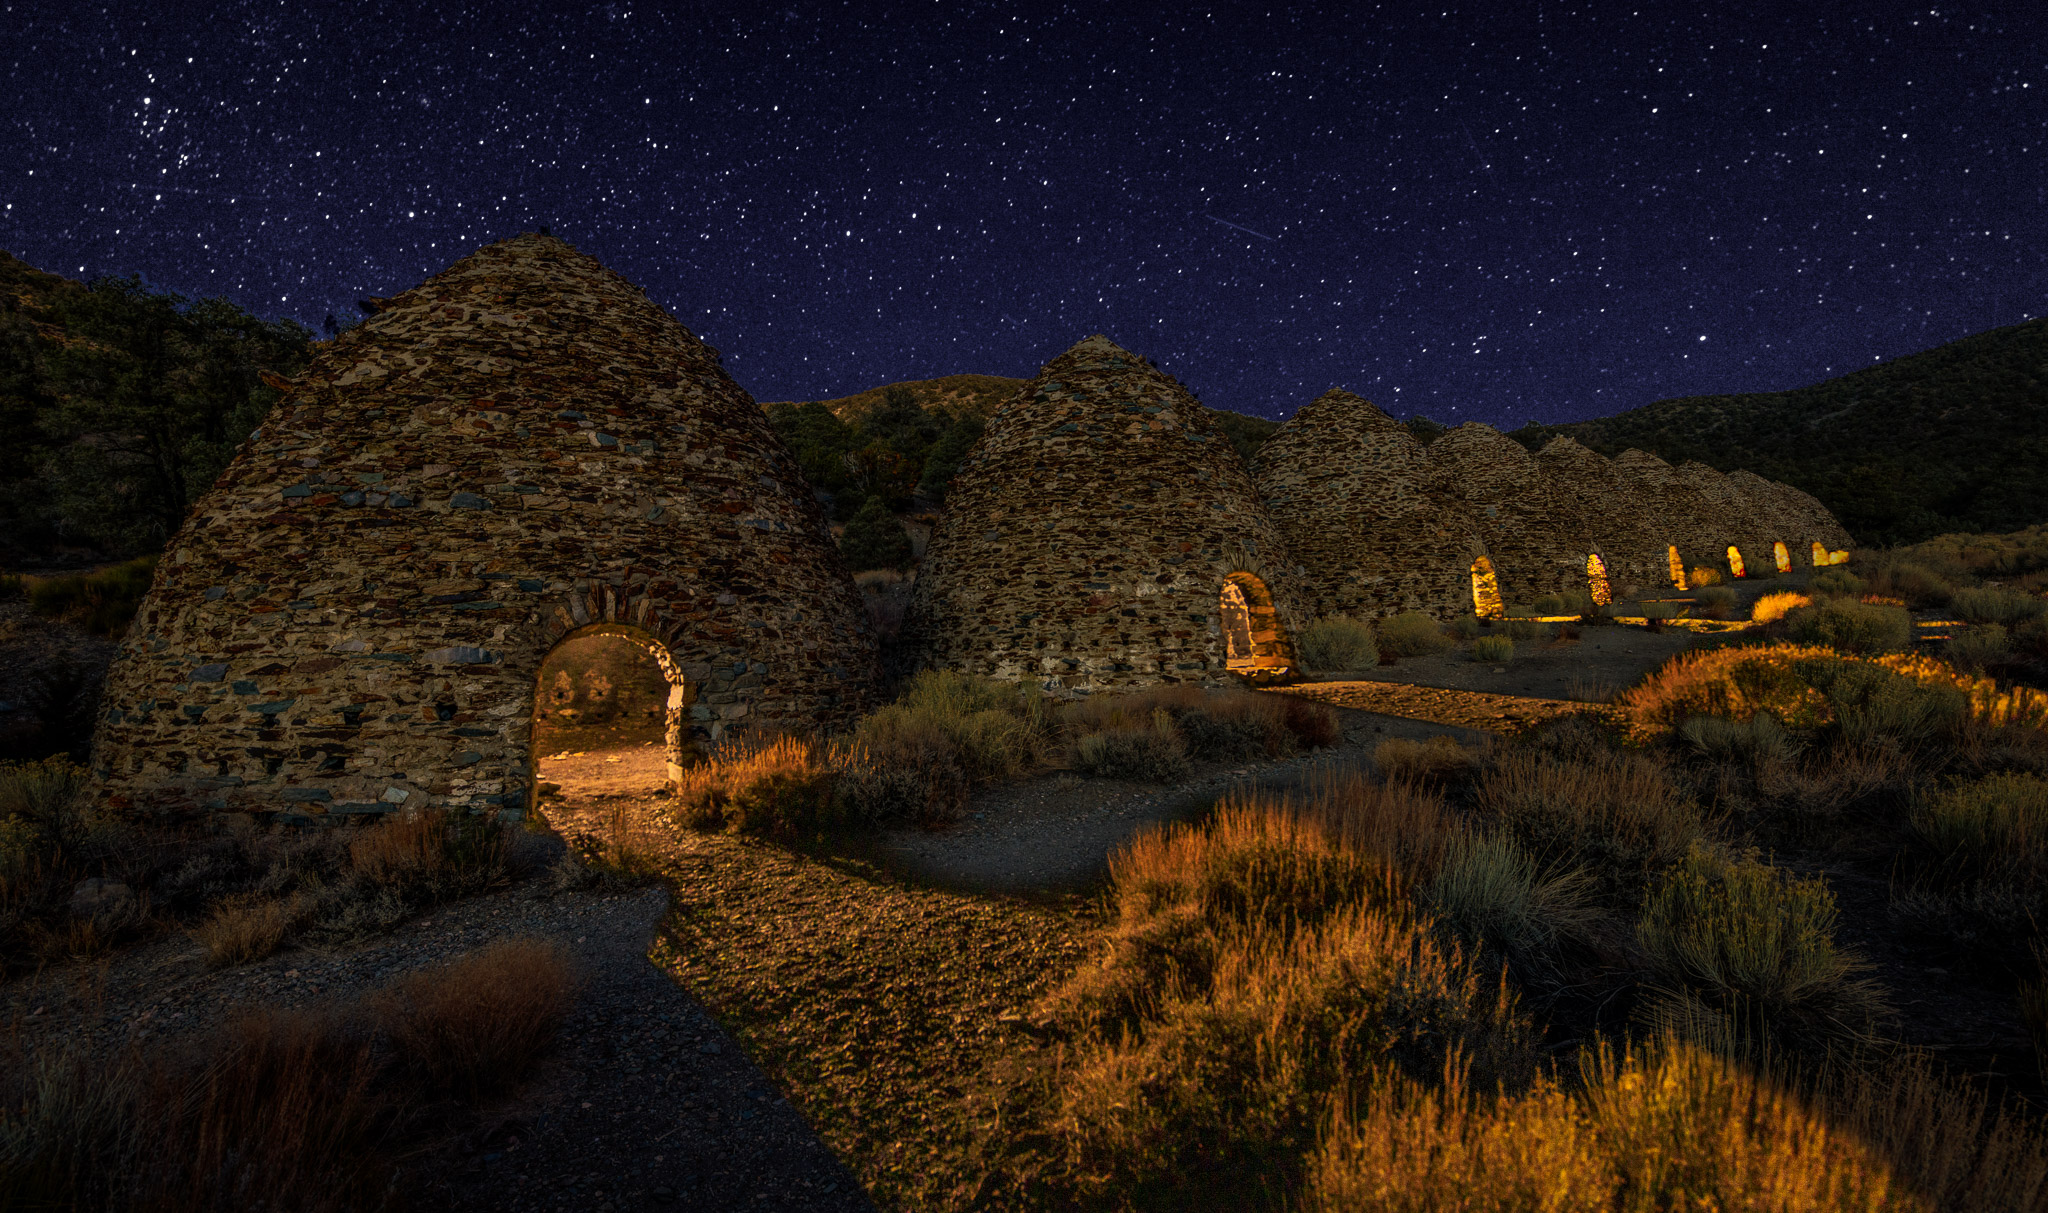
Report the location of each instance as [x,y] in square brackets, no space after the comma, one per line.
[1506,212]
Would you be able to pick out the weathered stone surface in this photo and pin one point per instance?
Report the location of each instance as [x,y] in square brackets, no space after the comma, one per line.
[1603,515]
[521,449]
[1508,498]
[1089,537]
[1729,518]
[1365,512]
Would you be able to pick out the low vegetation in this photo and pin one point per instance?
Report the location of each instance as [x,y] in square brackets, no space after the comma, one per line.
[1338,644]
[100,602]
[1412,634]
[292,1109]
[1493,650]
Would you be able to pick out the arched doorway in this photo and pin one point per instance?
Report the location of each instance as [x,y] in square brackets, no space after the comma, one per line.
[1820,555]
[1486,601]
[1781,556]
[1735,560]
[1253,640]
[610,712]
[1596,580]
[1677,567]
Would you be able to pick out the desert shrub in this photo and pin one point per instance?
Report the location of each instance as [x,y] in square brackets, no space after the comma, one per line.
[1521,629]
[100,602]
[778,785]
[1852,627]
[1493,649]
[1490,893]
[1669,1126]
[1717,600]
[1994,828]
[434,855]
[1703,576]
[1760,739]
[1660,610]
[1337,644]
[474,1026]
[1920,586]
[1252,964]
[1618,815]
[1992,605]
[1465,627]
[1590,688]
[1152,752]
[1230,725]
[1775,606]
[1837,583]
[874,538]
[885,595]
[1315,725]
[1744,950]
[1431,760]
[12,586]
[1565,602]
[1871,702]
[1412,634]
[43,799]
[998,729]
[246,928]
[1975,648]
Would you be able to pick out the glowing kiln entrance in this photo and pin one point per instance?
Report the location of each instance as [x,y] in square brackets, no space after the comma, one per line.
[1735,560]
[611,685]
[1596,580]
[1252,638]
[1677,568]
[1486,590]
[1781,556]
[1820,556]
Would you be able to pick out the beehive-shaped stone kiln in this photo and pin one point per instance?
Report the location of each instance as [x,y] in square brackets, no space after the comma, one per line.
[520,450]
[1818,524]
[1604,515]
[1103,534]
[1509,499]
[1731,519]
[1788,523]
[1363,511]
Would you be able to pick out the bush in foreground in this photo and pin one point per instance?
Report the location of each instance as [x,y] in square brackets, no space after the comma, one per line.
[1852,627]
[1431,760]
[1992,605]
[1617,815]
[1338,644]
[472,1027]
[1493,650]
[1412,634]
[1775,606]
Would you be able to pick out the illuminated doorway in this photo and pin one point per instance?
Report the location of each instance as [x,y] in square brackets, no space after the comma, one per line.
[1596,580]
[1677,567]
[1820,556]
[1782,556]
[1252,639]
[609,714]
[1486,591]
[1735,560]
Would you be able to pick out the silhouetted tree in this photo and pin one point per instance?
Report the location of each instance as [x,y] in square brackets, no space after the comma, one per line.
[874,539]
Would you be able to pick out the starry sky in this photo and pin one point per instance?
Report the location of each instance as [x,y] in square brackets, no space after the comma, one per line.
[1504,212]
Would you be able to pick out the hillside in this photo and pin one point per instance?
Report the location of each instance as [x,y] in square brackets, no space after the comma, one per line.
[975,395]
[1951,439]
[119,405]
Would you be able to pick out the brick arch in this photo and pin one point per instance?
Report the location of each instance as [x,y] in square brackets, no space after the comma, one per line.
[1781,556]
[1254,638]
[680,746]
[1597,584]
[1677,566]
[1735,565]
[1486,599]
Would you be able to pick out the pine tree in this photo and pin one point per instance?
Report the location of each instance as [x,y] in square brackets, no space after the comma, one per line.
[874,539]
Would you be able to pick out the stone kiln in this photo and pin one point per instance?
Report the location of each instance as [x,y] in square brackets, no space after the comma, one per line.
[520,450]
[1102,534]
[1365,512]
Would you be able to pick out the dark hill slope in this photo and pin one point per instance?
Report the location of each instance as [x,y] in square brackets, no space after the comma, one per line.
[1951,439]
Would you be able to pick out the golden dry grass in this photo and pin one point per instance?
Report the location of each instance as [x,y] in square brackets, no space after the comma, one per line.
[242,929]
[1778,604]
[1434,759]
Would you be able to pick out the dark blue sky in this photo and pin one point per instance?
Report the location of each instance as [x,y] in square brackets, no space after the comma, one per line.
[1503,212]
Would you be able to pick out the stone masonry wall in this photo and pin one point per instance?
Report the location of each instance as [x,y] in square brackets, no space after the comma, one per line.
[1362,508]
[521,449]
[1507,495]
[1605,515]
[1089,535]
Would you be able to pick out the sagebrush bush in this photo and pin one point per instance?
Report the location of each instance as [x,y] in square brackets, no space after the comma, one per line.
[1703,576]
[1852,627]
[1758,740]
[1432,759]
[1617,815]
[1493,650]
[1837,583]
[1412,634]
[1998,606]
[1744,950]
[1338,644]
[1775,606]
[1152,752]
[1718,601]
[245,928]
[1490,893]
[1979,647]
[1993,828]
[1668,1126]
[433,855]
[473,1026]
[1918,585]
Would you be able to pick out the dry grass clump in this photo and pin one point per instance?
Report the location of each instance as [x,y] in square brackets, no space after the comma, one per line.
[1253,965]
[1851,627]
[100,602]
[1338,644]
[1432,760]
[1757,742]
[1661,1127]
[1142,730]
[1493,650]
[1489,892]
[1920,586]
[1838,583]
[434,855]
[1745,952]
[1617,815]
[1412,634]
[247,927]
[274,1109]
[1716,602]
[471,1027]
[1978,647]
[1776,605]
[773,785]
[1703,576]
[1979,869]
